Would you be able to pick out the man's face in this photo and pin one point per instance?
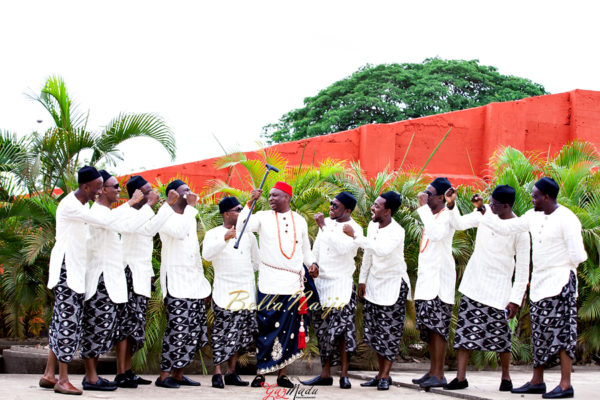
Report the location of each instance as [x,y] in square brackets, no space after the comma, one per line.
[111,189]
[378,210]
[434,200]
[278,200]
[231,215]
[93,189]
[538,199]
[498,208]
[183,190]
[146,189]
[336,209]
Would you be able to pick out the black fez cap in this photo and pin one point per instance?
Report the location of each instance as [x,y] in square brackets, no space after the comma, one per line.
[393,201]
[347,199]
[105,175]
[441,185]
[135,182]
[174,185]
[504,194]
[87,174]
[227,203]
[548,186]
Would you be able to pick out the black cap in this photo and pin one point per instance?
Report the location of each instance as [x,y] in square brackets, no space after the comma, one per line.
[504,194]
[393,201]
[227,203]
[548,186]
[347,199]
[105,175]
[174,185]
[134,183]
[87,174]
[441,185]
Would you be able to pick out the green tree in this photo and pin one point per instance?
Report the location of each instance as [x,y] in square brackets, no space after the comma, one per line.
[394,92]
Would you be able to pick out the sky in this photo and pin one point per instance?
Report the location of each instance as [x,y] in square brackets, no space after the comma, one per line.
[226,68]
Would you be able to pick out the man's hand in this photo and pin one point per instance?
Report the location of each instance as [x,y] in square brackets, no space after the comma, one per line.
[348,230]
[191,199]
[320,219]
[512,309]
[254,195]
[361,290]
[136,198]
[450,196]
[172,197]
[153,198]
[230,234]
[422,197]
[477,201]
[313,270]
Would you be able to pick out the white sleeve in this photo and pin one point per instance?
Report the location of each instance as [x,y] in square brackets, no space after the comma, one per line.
[180,228]
[212,245]
[436,228]
[521,268]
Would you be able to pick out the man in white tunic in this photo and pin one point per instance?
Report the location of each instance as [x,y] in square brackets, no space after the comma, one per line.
[184,288]
[383,283]
[234,328]
[557,251]
[284,247]
[487,287]
[105,283]
[436,278]
[67,272]
[137,259]
[334,320]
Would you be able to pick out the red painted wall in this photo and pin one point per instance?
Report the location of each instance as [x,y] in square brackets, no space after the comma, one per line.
[538,124]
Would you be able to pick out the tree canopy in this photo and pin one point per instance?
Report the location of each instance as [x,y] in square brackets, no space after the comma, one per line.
[394,92]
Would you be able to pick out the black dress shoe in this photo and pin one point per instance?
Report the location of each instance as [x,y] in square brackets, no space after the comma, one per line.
[345,382]
[217,381]
[235,380]
[505,385]
[137,379]
[125,381]
[318,381]
[101,384]
[284,381]
[370,383]
[185,381]
[418,381]
[455,384]
[559,393]
[383,384]
[258,381]
[168,382]
[540,388]
[433,381]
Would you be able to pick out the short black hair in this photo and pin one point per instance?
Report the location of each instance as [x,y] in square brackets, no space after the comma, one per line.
[393,201]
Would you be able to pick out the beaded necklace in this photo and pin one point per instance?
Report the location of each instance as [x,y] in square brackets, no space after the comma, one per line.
[421,248]
[279,236]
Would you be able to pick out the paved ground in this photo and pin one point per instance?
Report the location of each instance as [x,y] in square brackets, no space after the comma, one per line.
[483,385]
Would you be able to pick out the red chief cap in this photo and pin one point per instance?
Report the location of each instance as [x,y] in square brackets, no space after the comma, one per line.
[284,187]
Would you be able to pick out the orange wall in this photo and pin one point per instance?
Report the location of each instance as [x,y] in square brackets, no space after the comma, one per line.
[539,124]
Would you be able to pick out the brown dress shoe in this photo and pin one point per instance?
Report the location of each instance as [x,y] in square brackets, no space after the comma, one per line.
[47,383]
[66,388]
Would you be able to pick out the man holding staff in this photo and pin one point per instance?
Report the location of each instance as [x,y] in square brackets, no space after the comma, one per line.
[284,247]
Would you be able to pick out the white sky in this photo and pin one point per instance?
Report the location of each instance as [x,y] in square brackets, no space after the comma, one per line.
[229,67]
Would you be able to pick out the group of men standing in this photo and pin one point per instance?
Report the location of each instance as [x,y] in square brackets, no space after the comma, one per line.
[102,283]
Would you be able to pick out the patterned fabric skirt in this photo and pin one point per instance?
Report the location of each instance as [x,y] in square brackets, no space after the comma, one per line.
[384,325]
[481,327]
[186,332]
[131,317]
[554,324]
[278,326]
[232,332]
[337,325]
[99,321]
[433,316]
[65,327]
